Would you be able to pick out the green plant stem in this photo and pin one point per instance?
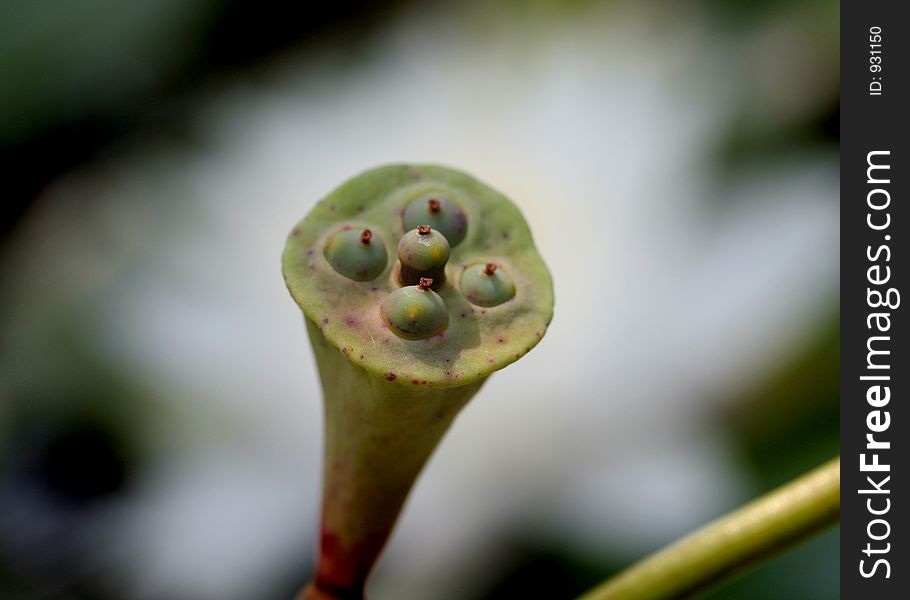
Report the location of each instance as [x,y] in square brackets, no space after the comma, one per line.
[732,543]
[379,435]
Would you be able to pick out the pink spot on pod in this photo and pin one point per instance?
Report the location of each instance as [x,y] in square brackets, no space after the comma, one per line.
[390,376]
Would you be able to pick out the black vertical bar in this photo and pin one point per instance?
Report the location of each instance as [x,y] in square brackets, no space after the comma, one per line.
[875,372]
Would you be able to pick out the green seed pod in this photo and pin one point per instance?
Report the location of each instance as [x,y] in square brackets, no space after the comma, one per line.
[389,398]
[358,255]
[440,213]
[487,285]
[346,312]
[423,254]
[415,312]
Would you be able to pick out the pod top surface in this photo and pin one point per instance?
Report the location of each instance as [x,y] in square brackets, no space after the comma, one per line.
[478,339]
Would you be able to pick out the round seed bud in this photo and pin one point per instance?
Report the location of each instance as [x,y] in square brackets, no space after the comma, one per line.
[358,255]
[415,312]
[443,215]
[487,285]
[423,252]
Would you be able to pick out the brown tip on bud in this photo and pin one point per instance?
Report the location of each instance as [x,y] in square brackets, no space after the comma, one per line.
[425,283]
[423,230]
[489,269]
[366,236]
[434,205]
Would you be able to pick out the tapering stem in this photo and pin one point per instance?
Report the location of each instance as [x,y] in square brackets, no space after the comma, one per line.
[379,435]
[783,517]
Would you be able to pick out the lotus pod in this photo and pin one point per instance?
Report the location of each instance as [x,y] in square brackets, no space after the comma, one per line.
[389,398]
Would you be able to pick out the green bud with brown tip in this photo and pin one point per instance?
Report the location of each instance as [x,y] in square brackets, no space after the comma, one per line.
[423,253]
[358,255]
[439,212]
[487,285]
[415,312]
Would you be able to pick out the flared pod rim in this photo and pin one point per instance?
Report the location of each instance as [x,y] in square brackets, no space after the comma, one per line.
[478,340]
